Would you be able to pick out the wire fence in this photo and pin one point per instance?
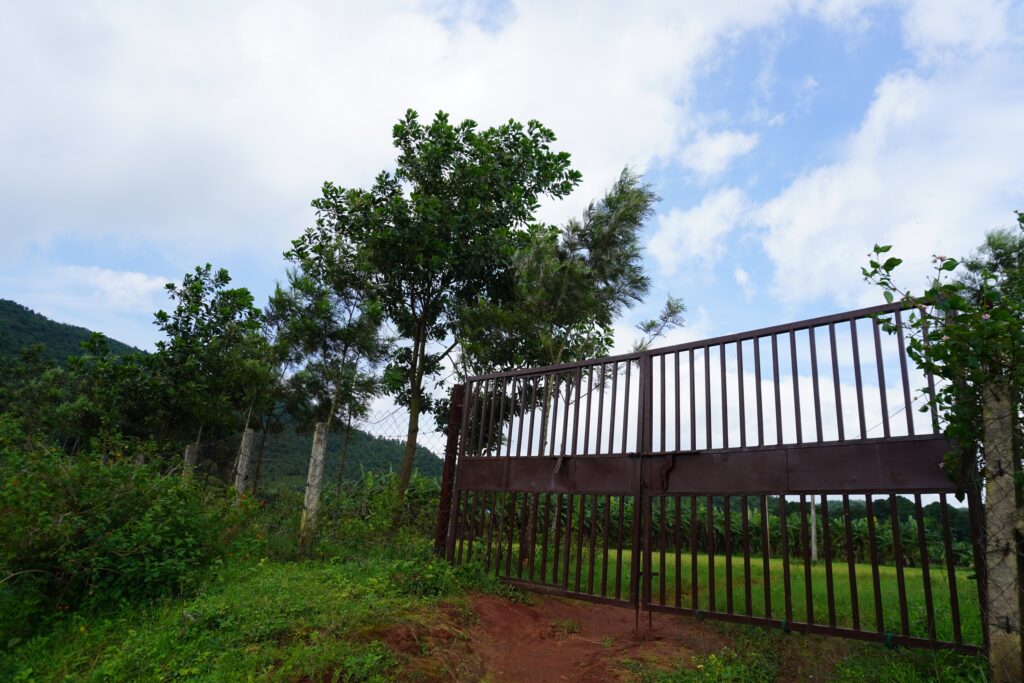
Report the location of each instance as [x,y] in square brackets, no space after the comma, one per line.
[280,455]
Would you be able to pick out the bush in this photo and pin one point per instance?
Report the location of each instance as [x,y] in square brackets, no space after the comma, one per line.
[75,532]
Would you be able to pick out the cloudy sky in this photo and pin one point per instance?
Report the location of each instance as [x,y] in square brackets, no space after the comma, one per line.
[785,138]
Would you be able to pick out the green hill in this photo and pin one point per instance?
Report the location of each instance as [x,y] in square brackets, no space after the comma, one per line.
[21,327]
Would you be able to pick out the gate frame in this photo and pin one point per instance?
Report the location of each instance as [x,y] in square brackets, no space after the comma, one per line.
[901,458]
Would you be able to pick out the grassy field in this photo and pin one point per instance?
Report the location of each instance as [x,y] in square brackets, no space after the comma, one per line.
[667,574]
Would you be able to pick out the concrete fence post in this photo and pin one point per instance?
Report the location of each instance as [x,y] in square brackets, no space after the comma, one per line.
[1002,553]
[242,464]
[311,504]
[191,456]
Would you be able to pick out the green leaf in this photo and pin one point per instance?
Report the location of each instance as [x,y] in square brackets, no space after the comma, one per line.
[888,296]
[882,249]
[891,263]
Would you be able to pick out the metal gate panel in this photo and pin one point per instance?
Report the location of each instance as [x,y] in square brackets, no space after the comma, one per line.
[681,479]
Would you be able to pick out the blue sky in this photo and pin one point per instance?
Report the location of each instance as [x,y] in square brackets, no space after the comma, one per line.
[785,138]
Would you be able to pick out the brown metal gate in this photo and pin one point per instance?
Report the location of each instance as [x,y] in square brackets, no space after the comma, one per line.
[682,479]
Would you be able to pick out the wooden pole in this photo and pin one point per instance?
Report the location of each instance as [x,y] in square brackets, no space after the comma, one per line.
[1002,557]
[307,528]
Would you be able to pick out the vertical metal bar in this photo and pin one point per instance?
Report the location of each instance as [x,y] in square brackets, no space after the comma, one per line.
[501,421]
[661,548]
[711,553]
[876,582]
[663,446]
[567,551]
[544,538]
[851,564]
[485,414]
[857,377]
[575,413]
[796,386]
[557,554]
[725,398]
[579,542]
[745,510]
[522,418]
[766,573]
[611,412]
[908,406]
[929,606]
[604,546]
[778,389]
[556,394]
[461,506]
[827,538]
[490,510]
[532,534]
[881,378]
[805,551]
[511,533]
[533,414]
[835,380]
[679,412]
[600,407]
[693,552]
[743,404]
[502,519]
[815,385]
[618,555]
[727,535]
[947,541]
[757,391]
[586,420]
[679,553]
[693,405]
[593,543]
[625,408]
[707,395]
[784,531]
[897,551]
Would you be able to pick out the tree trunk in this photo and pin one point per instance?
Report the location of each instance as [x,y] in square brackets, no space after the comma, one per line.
[311,505]
[408,458]
[1002,552]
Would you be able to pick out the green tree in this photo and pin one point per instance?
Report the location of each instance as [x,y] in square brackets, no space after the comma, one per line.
[214,359]
[439,233]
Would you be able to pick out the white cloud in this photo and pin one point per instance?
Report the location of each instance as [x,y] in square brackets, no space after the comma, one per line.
[742,278]
[198,127]
[933,165]
[695,235]
[118,303]
[710,155]
[938,31]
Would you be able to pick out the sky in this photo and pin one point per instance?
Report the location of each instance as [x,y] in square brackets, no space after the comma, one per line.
[785,138]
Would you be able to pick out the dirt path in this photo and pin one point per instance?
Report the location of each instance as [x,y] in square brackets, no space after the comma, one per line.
[564,640]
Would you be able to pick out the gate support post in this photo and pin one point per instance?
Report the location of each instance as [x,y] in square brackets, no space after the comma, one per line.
[242,464]
[311,504]
[1002,553]
[451,450]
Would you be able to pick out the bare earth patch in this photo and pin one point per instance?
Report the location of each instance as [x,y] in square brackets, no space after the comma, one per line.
[566,640]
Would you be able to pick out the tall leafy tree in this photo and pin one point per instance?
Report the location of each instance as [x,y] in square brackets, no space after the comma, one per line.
[214,358]
[439,233]
[571,284]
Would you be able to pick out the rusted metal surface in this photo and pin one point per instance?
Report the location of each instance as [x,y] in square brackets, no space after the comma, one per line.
[677,479]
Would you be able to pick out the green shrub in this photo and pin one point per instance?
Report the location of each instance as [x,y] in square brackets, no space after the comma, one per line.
[75,532]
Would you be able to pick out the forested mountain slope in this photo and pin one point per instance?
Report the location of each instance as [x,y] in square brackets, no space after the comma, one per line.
[21,327]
